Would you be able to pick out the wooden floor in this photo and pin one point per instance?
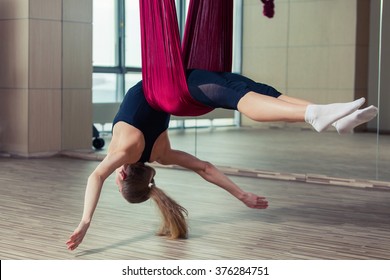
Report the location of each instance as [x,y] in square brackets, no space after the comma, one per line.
[41,204]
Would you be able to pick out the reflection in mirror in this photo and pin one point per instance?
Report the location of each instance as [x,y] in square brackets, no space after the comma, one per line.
[322,51]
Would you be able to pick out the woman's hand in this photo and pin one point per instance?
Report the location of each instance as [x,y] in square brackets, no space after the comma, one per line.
[77,236]
[254,201]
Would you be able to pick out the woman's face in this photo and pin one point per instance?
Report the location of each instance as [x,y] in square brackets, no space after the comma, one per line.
[121,174]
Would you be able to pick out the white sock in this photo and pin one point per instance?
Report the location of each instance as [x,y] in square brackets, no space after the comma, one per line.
[321,116]
[348,123]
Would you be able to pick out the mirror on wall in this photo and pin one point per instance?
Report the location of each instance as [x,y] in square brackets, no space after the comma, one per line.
[321,51]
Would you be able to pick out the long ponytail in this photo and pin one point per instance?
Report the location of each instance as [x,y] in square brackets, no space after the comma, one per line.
[139,186]
[174,224]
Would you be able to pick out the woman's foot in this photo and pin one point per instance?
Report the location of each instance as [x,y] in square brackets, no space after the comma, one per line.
[321,116]
[348,123]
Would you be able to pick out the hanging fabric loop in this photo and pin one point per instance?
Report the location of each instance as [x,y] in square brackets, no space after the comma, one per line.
[208,36]
[163,73]
[163,70]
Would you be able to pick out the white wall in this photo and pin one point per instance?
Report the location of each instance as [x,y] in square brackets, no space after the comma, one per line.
[312,49]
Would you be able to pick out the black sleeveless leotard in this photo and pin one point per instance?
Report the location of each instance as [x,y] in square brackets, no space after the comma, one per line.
[136,111]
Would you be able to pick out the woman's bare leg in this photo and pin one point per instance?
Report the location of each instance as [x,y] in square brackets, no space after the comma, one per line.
[294,100]
[264,108]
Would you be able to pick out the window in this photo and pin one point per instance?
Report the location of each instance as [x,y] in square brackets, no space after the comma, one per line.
[104,33]
[132,34]
[106,78]
[117,47]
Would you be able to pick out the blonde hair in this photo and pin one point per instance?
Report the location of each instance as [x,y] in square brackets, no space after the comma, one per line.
[139,186]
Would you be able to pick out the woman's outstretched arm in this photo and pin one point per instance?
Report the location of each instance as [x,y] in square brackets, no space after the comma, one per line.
[126,147]
[92,195]
[207,171]
[213,175]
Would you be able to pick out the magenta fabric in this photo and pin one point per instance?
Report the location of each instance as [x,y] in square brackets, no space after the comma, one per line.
[163,72]
[207,42]
[207,45]
[268,8]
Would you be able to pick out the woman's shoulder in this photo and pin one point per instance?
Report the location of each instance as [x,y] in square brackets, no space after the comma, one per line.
[125,136]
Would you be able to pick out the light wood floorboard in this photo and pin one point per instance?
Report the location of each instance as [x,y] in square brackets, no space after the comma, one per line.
[41,204]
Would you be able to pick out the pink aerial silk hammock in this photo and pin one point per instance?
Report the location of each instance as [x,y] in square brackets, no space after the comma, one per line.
[208,36]
[207,45]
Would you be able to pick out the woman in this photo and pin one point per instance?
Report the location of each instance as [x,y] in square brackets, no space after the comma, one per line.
[140,136]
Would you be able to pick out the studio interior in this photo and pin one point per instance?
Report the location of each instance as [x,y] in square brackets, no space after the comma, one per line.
[65,68]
